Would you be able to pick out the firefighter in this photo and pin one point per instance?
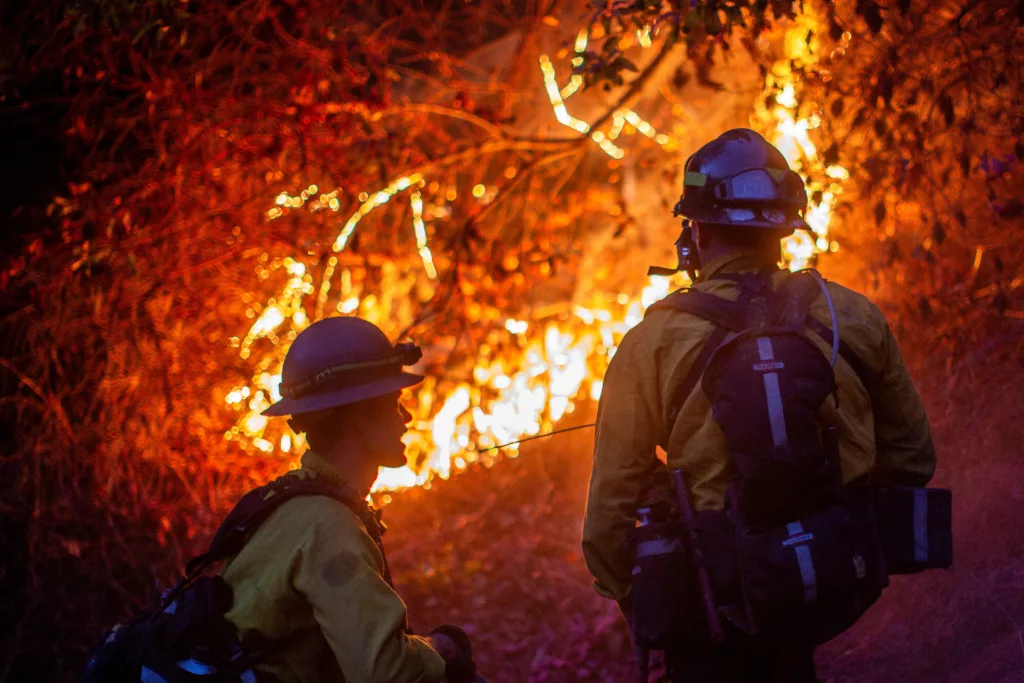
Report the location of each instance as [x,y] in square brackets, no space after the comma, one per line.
[739,200]
[312,590]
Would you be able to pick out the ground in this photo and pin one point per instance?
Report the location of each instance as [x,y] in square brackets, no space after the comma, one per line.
[498,552]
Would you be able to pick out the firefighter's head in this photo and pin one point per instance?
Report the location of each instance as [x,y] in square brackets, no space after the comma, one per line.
[341,382]
[738,194]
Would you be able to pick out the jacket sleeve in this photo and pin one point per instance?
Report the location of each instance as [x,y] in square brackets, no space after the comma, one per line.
[903,437]
[339,571]
[628,425]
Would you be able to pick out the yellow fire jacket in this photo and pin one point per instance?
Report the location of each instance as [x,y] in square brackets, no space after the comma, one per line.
[884,436]
[310,582]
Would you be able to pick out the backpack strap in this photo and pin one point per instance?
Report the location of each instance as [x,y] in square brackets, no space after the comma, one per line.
[868,377]
[257,505]
[806,290]
[790,305]
[727,316]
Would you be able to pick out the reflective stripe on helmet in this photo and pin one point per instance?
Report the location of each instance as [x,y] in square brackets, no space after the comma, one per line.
[695,179]
[406,354]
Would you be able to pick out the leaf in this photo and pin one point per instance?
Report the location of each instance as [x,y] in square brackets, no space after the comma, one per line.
[946,107]
[831,154]
[144,30]
[623,63]
[924,307]
[871,13]
[884,88]
[835,31]
[1014,208]
[908,120]
[894,252]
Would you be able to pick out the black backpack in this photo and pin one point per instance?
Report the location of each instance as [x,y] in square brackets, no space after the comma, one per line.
[186,638]
[805,561]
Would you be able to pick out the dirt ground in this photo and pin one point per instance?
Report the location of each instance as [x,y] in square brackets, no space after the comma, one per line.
[498,552]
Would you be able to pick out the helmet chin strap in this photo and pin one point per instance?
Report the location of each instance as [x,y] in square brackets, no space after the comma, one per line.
[686,253]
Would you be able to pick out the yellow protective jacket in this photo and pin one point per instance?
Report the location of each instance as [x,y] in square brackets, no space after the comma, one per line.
[884,437]
[310,582]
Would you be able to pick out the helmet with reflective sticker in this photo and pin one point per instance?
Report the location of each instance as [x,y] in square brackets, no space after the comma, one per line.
[338,361]
[740,179]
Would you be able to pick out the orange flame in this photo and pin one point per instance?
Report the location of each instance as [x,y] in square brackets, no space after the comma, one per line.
[533,383]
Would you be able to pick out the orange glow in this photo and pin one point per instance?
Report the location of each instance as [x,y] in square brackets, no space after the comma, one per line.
[788,129]
[529,380]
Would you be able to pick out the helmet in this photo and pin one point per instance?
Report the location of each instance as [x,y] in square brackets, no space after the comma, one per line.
[337,361]
[740,179]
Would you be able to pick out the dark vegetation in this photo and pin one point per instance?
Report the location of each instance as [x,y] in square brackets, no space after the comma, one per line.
[147,140]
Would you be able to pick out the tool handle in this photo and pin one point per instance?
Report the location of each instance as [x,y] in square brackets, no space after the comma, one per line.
[703,578]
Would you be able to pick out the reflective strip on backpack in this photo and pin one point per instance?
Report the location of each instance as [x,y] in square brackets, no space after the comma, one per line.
[147,675]
[920,525]
[195,667]
[776,416]
[806,563]
[658,546]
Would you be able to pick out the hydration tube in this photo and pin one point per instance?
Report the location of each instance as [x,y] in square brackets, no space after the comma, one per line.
[831,313]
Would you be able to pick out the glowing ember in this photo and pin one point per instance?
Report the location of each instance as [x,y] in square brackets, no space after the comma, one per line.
[558,96]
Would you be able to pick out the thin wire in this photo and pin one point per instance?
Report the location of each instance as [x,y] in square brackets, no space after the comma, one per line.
[538,436]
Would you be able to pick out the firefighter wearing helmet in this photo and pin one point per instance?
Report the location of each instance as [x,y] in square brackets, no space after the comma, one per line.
[311,586]
[754,381]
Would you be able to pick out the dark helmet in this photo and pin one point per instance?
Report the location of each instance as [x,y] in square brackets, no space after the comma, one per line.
[337,361]
[740,179]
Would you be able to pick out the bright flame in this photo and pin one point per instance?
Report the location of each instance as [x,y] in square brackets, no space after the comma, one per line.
[516,389]
[603,140]
[525,382]
[416,201]
[562,114]
[581,40]
[643,36]
[788,131]
[371,203]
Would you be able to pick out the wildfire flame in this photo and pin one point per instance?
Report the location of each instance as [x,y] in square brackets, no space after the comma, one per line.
[535,377]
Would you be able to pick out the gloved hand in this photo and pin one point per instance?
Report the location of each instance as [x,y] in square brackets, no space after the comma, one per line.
[453,644]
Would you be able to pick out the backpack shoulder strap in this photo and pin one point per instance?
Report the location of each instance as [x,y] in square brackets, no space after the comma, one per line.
[727,316]
[802,291]
[732,315]
[868,377]
[791,302]
[256,506]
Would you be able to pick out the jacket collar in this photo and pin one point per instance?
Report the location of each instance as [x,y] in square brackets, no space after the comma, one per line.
[319,465]
[735,262]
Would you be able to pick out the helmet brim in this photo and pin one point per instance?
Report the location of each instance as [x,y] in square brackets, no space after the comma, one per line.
[742,217]
[343,396]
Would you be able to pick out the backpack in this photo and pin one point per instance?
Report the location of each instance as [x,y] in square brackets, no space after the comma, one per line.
[804,556]
[185,638]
